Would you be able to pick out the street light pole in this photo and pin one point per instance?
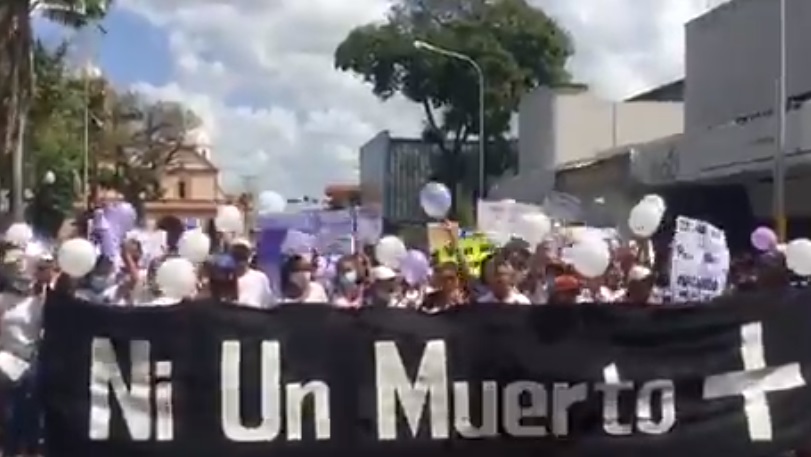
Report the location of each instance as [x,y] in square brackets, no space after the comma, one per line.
[482,137]
[90,74]
[779,178]
[86,141]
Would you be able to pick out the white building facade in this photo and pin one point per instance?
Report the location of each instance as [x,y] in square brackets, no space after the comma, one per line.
[562,128]
[732,68]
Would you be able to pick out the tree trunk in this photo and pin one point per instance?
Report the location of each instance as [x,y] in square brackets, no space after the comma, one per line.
[21,66]
[8,86]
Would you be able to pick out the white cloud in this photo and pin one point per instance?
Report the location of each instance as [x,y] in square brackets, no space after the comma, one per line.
[260,73]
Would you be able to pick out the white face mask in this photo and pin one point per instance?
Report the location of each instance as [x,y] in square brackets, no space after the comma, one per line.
[301,278]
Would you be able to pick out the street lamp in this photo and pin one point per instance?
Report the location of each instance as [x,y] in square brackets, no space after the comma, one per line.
[49,178]
[90,73]
[422,45]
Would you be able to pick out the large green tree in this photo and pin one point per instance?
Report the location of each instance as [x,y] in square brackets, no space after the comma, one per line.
[17,43]
[517,46]
[53,140]
[139,141]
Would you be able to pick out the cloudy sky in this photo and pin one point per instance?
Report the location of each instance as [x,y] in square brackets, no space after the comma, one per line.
[260,73]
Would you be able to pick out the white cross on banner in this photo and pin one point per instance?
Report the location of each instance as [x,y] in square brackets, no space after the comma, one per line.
[754,382]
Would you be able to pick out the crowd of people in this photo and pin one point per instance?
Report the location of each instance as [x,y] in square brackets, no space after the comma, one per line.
[516,273]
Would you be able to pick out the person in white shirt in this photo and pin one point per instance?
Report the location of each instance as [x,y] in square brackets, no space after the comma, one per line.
[503,286]
[253,286]
[297,282]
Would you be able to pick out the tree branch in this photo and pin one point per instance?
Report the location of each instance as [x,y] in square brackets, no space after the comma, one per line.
[429,115]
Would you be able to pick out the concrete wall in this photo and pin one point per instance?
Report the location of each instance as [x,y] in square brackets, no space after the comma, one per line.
[373,156]
[798,190]
[409,168]
[587,125]
[746,147]
[563,126]
[557,127]
[732,60]
[604,188]
[536,130]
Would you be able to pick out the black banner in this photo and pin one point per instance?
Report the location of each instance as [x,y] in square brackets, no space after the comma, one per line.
[206,379]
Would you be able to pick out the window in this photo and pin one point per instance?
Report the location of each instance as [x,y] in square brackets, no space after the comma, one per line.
[182,190]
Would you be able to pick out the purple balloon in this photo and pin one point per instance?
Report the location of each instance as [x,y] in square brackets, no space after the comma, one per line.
[763,239]
[415,267]
[121,217]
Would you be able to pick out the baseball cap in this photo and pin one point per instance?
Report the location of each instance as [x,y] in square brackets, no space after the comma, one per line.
[383,273]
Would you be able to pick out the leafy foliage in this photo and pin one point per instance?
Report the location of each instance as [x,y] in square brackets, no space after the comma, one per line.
[53,139]
[141,139]
[132,140]
[517,46]
[17,56]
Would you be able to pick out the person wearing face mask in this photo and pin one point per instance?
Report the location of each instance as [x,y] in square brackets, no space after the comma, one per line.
[347,289]
[100,285]
[253,286]
[297,282]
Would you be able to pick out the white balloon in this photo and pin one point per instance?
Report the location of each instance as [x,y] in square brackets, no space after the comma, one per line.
[229,219]
[177,278]
[19,234]
[655,200]
[644,219]
[534,228]
[798,256]
[590,257]
[390,251]
[271,203]
[435,200]
[194,245]
[76,257]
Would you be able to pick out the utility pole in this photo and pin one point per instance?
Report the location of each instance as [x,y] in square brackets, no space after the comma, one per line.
[18,154]
[779,178]
[249,189]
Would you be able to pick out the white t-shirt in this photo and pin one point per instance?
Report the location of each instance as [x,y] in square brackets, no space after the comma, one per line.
[254,289]
[315,294]
[514,298]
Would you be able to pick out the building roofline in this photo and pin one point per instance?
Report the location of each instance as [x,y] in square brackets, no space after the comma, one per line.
[649,94]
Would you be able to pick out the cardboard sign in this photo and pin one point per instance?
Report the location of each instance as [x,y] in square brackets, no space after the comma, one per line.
[475,247]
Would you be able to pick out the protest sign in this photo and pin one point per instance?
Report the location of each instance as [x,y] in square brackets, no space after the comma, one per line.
[699,261]
[475,247]
[209,379]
